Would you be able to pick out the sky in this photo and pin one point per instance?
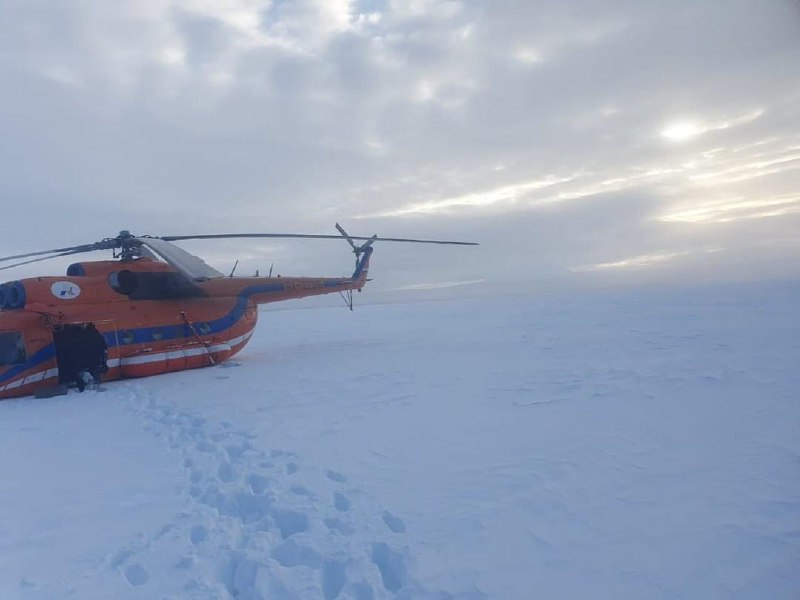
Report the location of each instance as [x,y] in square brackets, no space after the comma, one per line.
[580,142]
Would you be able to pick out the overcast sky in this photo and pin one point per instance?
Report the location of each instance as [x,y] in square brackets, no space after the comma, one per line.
[578,141]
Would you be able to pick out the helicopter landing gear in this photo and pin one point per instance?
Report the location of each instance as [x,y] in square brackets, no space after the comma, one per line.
[347,296]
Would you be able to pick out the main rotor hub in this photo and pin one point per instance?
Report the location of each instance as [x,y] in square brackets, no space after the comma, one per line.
[130,247]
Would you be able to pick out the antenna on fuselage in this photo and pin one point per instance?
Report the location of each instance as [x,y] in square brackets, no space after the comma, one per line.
[233,270]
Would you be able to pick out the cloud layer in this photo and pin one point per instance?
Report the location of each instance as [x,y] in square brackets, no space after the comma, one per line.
[578,141]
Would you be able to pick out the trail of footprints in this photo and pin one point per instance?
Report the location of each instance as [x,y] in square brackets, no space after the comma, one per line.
[261,525]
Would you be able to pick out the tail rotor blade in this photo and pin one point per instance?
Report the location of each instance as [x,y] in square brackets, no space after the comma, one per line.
[347,237]
[367,244]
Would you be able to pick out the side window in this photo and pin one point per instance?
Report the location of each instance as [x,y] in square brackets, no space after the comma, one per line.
[12,348]
[127,336]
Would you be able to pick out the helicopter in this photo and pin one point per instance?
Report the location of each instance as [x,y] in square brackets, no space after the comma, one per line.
[155,308]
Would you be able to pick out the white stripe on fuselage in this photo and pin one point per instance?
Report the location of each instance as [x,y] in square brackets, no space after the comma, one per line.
[144,359]
[135,360]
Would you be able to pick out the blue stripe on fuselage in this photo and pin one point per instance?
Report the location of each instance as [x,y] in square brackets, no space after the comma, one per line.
[39,357]
[145,334]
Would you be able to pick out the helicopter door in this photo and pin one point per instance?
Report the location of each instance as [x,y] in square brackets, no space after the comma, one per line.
[79,348]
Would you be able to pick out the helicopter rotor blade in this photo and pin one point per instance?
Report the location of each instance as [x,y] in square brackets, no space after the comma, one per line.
[308,236]
[56,251]
[130,243]
[33,260]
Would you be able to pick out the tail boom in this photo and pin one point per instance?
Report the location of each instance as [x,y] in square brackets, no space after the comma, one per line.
[263,290]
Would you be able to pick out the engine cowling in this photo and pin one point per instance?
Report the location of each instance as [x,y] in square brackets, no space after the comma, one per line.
[12,295]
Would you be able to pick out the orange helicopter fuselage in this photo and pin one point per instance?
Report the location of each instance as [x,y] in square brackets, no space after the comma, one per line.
[153,319]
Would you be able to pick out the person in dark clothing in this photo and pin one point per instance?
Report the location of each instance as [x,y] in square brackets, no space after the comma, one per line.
[95,357]
[66,339]
[82,355]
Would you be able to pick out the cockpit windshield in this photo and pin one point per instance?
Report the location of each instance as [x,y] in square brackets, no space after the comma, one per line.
[12,348]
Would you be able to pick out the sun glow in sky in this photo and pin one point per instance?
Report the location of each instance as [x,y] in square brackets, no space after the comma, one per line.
[682,131]
[531,126]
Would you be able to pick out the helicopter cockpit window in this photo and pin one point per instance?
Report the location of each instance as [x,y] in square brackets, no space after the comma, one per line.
[12,348]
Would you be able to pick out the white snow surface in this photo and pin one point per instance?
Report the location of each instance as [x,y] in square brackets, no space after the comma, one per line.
[618,444]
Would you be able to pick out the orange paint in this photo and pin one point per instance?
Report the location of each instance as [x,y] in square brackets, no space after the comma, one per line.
[154,321]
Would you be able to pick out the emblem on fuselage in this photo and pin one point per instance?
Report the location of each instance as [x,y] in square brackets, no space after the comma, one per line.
[65,290]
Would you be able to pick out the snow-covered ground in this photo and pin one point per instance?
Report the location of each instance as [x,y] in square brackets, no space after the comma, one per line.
[598,445]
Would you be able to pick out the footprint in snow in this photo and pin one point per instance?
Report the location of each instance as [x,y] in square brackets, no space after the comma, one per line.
[198,534]
[341,502]
[136,574]
[270,528]
[337,477]
[395,524]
